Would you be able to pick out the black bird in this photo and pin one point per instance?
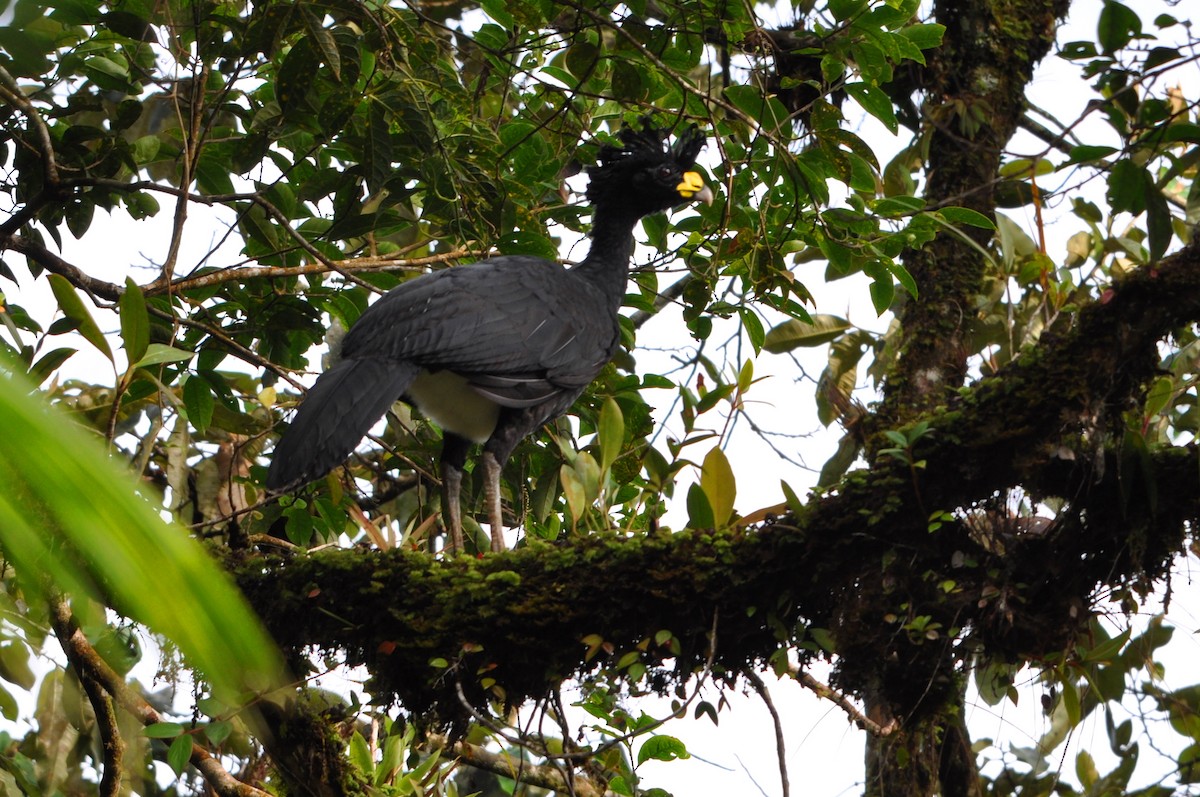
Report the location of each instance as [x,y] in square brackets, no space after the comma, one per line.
[493,350]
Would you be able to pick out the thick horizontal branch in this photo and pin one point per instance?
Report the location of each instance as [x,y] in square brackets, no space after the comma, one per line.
[427,628]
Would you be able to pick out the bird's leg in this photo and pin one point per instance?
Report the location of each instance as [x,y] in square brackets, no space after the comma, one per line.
[491,496]
[454,456]
[451,509]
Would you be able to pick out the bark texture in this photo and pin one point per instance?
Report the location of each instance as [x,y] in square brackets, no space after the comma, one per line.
[975,98]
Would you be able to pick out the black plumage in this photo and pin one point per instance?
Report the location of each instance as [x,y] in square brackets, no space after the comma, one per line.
[493,350]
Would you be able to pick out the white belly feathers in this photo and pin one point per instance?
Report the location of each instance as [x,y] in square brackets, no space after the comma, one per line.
[449,401]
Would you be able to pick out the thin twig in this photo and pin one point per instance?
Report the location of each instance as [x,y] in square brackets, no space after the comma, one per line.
[348,266]
[667,295]
[780,747]
[542,776]
[845,704]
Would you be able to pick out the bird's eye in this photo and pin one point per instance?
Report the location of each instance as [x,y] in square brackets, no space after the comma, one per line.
[665,172]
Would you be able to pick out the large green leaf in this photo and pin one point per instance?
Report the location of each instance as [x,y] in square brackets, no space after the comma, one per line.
[71,514]
[793,334]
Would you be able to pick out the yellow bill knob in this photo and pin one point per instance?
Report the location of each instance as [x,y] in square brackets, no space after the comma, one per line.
[693,187]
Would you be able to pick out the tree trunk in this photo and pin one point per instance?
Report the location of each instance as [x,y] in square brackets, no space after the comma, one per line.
[927,757]
[975,90]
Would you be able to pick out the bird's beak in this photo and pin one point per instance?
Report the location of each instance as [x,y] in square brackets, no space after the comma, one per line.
[693,187]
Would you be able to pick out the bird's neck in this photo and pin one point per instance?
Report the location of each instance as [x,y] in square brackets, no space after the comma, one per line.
[607,261]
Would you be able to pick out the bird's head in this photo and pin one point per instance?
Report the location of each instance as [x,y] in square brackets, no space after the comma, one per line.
[645,175]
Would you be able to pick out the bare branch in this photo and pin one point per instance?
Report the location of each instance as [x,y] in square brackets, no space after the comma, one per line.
[11,93]
[86,660]
[845,704]
[349,266]
[542,776]
[664,298]
[97,289]
[110,733]
[780,747]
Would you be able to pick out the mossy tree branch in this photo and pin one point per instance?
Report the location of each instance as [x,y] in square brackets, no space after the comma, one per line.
[518,617]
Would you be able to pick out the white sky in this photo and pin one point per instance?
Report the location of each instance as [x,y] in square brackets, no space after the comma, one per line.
[738,756]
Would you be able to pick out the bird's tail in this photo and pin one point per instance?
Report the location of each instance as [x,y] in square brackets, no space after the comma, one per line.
[338,411]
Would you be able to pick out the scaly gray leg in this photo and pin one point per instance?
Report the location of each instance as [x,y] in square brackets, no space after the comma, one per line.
[454,457]
[491,496]
[451,508]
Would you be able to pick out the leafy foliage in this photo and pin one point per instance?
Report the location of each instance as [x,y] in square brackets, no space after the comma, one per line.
[332,151]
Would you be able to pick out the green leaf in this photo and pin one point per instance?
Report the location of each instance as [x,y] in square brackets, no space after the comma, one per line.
[179,753]
[323,39]
[905,278]
[611,433]
[843,10]
[753,326]
[107,73]
[163,730]
[766,109]
[795,334]
[955,215]
[1070,698]
[135,321]
[14,665]
[218,731]
[1117,26]
[360,753]
[75,311]
[837,465]
[993,681]
[823,638]
[875,102]
[719,485]
[1128,187]
[1024,167]
[8,705]
[72,514]
[898,206]
[198,399]
[580,59]
[1085,770]
[1088,152]
[883,290]
[1108,649]
[1181,132]
[662,748]
[1158,222]
[498,11]
[574,492]
[924,35]
[48,364]
[700,514]
[158,353]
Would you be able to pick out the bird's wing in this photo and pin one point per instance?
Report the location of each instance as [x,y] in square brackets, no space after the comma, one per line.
[339,409]
[520,329]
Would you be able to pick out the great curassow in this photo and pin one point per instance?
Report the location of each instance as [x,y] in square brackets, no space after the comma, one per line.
[493,350]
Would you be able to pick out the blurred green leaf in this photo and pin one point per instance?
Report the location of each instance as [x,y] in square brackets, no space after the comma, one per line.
[70,514]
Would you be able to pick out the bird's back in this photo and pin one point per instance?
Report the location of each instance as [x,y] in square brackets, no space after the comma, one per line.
[519,329]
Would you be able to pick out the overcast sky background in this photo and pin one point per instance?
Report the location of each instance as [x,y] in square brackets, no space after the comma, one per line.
[824,751]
